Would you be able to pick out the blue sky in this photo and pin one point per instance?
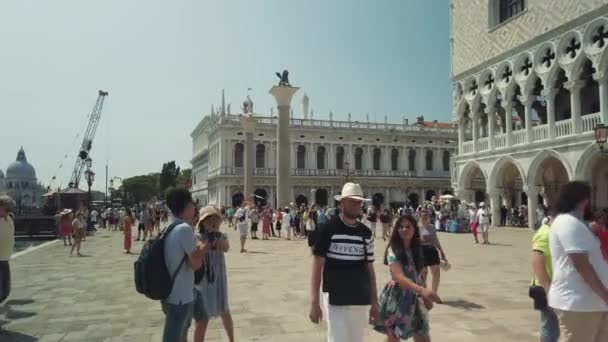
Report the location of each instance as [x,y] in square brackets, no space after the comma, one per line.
[165,63]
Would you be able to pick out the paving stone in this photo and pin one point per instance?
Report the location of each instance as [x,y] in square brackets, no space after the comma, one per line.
[61,298]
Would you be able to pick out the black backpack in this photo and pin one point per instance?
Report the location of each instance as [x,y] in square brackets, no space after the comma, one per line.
[152,277]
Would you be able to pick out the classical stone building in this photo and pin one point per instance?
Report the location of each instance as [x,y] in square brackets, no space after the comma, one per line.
[403,162]
[20,182]
[530,84]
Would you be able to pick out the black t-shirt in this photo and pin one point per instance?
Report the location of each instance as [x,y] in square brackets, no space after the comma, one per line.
[347,250]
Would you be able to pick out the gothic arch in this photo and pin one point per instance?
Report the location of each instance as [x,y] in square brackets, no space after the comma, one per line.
[585,162]
[499,167]
[538,161]
[467,172]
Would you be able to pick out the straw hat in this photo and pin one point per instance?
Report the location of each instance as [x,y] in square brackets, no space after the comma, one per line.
[352,190]
[206,212]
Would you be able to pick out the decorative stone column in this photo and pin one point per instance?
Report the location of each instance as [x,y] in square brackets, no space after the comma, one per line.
[495,206]
[475,129]
[313,196]
[549,95]
[460,135]
[575,104]
[490,113]
[527,101]
[283,97]
[532,193]
[508,106]
[602,80]
[248,123]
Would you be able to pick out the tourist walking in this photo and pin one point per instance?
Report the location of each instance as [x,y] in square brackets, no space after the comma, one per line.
[141,226]
[7,244]
[242,224]
[180,245]
[78,231]
[211,294]
[385,219]
[344,260]
[278,221]
[482,218]
[254,216]
[266,222]
[473,222]
[286,223]
[404,300]
[543,271]
[65,226]
[431,251]
[230,214]
[127,223]
[578,292]
[372,217]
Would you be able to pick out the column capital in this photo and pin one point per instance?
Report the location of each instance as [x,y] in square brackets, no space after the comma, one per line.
[526,100]
[600,76]
[549,93]
[574,84]
[506,104]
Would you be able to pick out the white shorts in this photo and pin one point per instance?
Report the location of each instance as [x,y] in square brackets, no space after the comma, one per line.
[345,323]
[243,228]
[483,227]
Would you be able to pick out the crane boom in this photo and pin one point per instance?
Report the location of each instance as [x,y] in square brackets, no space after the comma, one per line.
[87,142]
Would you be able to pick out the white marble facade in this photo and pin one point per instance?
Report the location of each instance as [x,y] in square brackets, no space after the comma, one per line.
[400,161]
[526,118]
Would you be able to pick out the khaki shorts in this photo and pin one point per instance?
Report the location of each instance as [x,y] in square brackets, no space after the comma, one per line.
[243,228]
[583,326]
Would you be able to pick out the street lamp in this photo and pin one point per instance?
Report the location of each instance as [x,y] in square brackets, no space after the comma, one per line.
[90,176]
[601,136]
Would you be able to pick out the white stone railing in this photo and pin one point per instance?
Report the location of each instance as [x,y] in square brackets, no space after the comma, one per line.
[563,128]
[519,137]
[467,147]
[484,144]
[273,121]
[590,121]
[500,141]
[540,133]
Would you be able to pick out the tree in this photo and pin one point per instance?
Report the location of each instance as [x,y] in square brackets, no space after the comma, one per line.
[141,188]
[184,180]
[168,176]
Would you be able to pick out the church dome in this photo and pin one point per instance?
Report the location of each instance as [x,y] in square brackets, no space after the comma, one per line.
[20,168]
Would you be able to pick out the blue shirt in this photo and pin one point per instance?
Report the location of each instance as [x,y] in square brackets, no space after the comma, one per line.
[179,244]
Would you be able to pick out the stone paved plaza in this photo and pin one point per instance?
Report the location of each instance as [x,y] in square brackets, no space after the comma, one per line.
[61,298]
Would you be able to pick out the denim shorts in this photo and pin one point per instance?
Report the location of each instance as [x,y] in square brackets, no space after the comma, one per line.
[199,306]
[549,326]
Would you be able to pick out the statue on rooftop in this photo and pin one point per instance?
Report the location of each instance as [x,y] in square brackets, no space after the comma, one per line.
[283,78]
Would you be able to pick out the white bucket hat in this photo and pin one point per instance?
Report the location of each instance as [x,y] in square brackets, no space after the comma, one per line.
[352,190]
[482,204]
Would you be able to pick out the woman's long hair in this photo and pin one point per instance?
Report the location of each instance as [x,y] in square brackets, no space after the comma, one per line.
[396,243]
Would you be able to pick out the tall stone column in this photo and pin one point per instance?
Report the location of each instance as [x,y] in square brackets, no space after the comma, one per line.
[602,80]
[248,123]
[460,136]
[283,97]
[495,206]
[508,106]
[575,104]
[527,101]
[475,129]
[532,193]
[549,95]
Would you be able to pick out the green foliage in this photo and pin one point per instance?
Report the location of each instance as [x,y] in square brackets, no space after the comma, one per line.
[168,176]
[142,188]
[184,180]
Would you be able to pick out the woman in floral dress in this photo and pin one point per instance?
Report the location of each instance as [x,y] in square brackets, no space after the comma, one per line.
[266,222]
[404,302]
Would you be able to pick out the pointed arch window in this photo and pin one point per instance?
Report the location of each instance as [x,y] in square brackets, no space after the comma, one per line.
[239,150]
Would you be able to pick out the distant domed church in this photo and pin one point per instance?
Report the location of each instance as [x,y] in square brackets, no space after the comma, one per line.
[20,182]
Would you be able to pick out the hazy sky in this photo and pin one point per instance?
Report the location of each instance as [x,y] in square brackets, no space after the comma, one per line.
[165,63]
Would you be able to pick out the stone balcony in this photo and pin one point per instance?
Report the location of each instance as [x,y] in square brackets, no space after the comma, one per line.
[538,134]
[271,172]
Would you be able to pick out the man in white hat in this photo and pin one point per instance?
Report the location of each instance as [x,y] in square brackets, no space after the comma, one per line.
[483,220]
[344,259]
[7,243]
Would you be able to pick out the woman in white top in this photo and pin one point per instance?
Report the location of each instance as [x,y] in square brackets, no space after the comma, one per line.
[286,222]
[483,219]
[78,231]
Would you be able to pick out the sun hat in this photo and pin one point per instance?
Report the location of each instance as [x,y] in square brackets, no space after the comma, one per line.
[482,204]
[206,212]
[65,212]
[352,190]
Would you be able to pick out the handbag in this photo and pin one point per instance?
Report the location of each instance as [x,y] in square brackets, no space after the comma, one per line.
[539,296]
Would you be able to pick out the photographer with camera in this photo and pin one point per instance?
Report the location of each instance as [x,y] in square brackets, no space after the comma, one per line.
[211,292]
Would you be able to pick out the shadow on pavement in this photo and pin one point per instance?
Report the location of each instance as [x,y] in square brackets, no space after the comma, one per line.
[9,336]
[462,304]
[256,252]
[500,244]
